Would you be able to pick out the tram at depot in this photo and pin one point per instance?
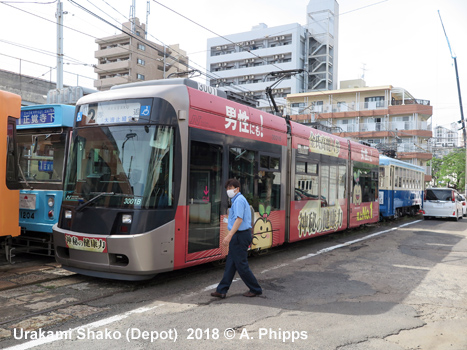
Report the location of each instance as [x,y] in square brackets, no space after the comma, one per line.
[144,191]
[43,135]
[401,188]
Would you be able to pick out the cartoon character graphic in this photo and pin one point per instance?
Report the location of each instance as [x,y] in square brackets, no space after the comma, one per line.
[357,189]
[262,230]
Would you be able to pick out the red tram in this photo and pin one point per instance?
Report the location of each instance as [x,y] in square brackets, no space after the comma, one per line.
[144,187]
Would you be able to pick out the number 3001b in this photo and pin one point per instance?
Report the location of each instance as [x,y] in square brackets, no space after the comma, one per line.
[136,201]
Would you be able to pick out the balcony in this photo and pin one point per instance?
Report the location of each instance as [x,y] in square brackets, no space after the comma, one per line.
[348,127]
[106,83]
[112,52]
[411,147]
[112,66]
[404,125]
[411,101]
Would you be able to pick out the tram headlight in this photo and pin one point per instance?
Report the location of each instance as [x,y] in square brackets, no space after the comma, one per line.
[127,218]
[51,201]
[67,214]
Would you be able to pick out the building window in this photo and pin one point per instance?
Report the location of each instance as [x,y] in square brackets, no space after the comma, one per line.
[317,106]
[141,47]
[374,102]
[141,62]
[140,76]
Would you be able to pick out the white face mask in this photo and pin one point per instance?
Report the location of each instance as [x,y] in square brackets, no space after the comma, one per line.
[231,193]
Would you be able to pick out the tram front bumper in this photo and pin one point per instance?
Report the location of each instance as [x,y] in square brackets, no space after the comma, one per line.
[116,256]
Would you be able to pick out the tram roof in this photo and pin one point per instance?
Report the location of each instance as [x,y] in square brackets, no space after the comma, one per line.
[384,160]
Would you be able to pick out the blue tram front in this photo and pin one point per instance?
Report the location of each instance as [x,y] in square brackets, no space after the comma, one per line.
[42,139]
[401,187]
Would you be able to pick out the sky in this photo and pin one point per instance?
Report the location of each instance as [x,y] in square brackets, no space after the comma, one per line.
[391,42]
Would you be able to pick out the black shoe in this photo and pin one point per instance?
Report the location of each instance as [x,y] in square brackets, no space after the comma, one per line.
[250,294]
[218,295]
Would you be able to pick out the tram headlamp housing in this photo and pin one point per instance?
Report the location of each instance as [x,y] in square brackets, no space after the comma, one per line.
[51,201]
[67,214]
[127,218]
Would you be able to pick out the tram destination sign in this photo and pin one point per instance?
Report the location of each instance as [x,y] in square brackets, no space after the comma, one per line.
[36,117]
[113,112]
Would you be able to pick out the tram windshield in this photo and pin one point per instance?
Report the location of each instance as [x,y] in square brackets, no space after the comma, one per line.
[41,156]
[127,166]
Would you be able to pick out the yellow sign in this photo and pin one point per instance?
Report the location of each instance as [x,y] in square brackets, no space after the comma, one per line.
[90,244]
[324,145]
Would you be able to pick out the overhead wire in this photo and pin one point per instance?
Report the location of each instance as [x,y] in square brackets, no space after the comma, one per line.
[209,75]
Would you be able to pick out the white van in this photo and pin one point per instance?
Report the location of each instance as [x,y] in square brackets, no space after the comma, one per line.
[442,203]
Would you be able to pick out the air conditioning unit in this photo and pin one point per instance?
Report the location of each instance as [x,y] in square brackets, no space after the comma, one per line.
[282,56]
[224,80]
[276,56]
[225,46]
[282,37]
[218,47]
[252,76]
[246,77]
[240,44]
[224,64]
[276,38]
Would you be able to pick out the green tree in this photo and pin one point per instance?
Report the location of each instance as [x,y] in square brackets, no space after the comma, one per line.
[449,171]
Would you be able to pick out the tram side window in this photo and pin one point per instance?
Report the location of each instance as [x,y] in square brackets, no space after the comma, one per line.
[342,182]
[399,174]
[306,181]
[259,176]
[269,181]
[382,171]
[366,176]
[324,172]
[242,165]
[332,185]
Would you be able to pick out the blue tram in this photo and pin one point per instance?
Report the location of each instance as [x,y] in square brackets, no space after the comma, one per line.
[401,187]
[43,135]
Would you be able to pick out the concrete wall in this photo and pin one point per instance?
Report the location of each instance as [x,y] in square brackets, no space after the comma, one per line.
[32,90]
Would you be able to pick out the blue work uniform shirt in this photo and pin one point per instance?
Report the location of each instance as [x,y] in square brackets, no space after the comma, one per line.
[240,209]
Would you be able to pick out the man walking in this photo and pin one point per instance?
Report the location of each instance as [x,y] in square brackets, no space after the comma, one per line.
[238,240]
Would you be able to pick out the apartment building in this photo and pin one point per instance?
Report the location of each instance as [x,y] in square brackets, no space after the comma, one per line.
[386,117]
[242,62]
[126,58]
[445,140]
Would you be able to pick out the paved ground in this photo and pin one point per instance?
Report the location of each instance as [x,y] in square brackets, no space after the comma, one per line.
[405,288]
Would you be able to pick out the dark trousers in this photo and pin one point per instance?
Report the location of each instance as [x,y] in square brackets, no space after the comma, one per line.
[237,261]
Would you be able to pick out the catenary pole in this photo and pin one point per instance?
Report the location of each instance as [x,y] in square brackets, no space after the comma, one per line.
[460,102]
[59,16]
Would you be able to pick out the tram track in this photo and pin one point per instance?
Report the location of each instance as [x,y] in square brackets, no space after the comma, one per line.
[68,289]
[131,286]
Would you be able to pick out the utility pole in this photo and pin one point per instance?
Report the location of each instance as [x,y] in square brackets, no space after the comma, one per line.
[132,16]
[59,16]
[460,102]
[148,11]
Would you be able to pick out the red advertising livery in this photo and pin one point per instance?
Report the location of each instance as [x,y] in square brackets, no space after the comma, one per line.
[144,188]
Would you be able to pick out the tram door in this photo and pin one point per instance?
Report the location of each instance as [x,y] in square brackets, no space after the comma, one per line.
[204,200]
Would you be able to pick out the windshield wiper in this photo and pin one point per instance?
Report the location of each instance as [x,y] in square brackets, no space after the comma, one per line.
[93,199]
